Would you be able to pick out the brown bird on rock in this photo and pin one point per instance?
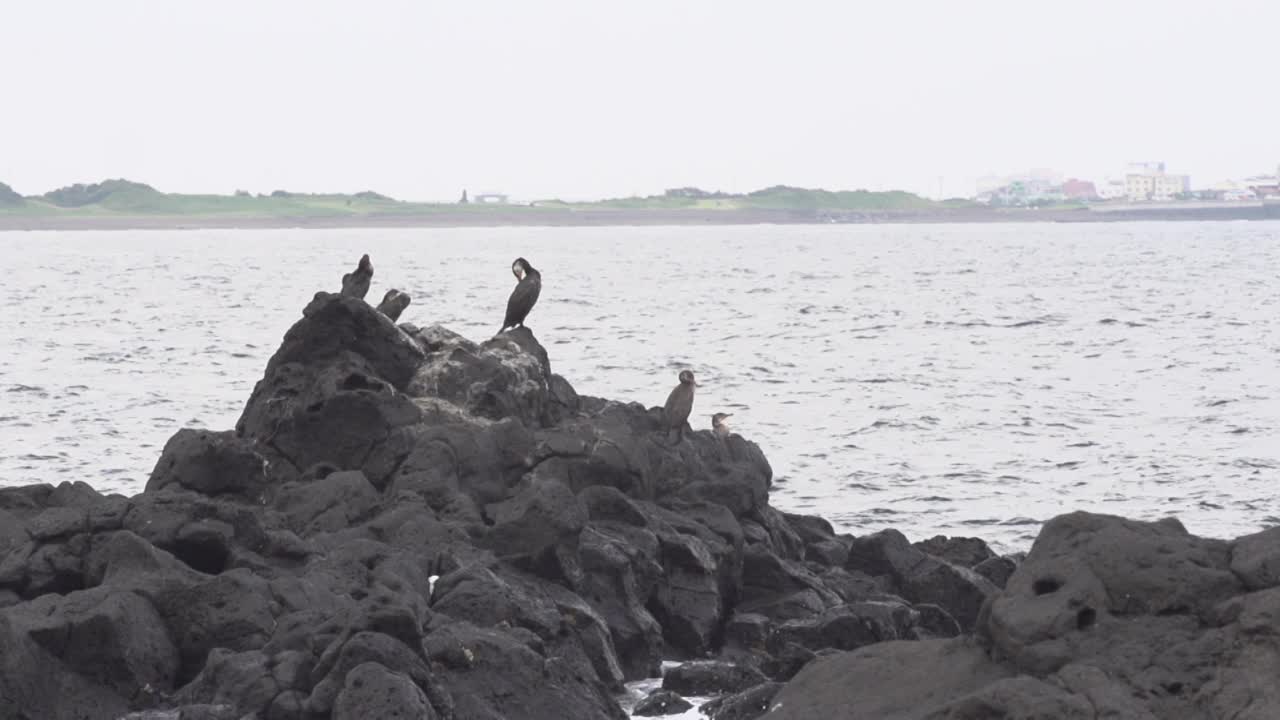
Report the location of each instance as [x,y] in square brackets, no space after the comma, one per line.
[393,303]
[719,426]
[679,404]
[356,284]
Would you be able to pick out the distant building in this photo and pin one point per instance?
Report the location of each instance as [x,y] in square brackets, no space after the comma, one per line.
[1023,193]
[1258,187]
[1148,182]
[464,199]
[1033,178]
[1265,186]
[491,199]
[1149,167]
[1111,189]
[1074,189]
[1169,187]
[1255,187]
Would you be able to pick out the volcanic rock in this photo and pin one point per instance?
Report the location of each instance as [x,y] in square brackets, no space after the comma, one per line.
[408,523]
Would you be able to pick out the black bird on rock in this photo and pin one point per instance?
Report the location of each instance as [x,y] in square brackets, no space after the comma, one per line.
[679,404]
[524,296]
[393,303]
[356,284]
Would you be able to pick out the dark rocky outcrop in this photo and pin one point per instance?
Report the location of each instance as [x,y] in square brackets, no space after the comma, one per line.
[401,519]
[372,691]
[997,570]
[710,677]
[497,674]
[1255,559]
[746,705]
[661,702]
[920,577]
[853,625]
[210,463]
[886,681]
[963,551]
[407,523]
[1105,618]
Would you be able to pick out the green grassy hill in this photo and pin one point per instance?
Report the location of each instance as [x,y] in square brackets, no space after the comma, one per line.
[106,193]
[126,198]
[778,197]
[793,198]
[9,198]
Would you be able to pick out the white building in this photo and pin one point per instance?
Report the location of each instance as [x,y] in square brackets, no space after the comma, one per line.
[1238,190]
[1149,167]
[1239,195]
[1149,182]
[1111,189]
[1265,186]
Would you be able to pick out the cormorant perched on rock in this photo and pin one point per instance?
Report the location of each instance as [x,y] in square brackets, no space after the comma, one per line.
[525,294]
[719,426]
[679,404]
[393,303]
[356,284]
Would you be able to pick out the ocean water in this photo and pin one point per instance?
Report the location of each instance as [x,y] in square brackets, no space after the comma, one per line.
[954,379]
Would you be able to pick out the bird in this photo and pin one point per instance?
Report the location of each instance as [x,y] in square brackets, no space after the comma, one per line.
[679,404]
[719,426]
[356,284]
[524,296]
[393,303]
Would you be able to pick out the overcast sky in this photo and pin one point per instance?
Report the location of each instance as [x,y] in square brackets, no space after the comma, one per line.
[587,98]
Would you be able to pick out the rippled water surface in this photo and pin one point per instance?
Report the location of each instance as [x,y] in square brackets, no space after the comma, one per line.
[938,379]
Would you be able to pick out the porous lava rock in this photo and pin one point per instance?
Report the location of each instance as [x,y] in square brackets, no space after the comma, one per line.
[408,523]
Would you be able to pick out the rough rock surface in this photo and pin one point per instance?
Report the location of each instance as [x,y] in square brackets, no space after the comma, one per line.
[963,551]
[405,522]
[920,577]
[661,702]
[710,677]
[746,705]
[1105,618]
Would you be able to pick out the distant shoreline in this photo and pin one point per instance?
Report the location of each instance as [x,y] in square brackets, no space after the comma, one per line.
[516,216]
[126,205]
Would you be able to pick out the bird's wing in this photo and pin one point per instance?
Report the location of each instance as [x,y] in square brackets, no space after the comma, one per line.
[536,286]
[522,299]
[671,402]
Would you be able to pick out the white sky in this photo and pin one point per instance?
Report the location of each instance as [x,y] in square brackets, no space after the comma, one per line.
[591,98]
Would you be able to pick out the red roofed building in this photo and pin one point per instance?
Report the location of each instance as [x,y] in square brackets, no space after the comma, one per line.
[1079,190]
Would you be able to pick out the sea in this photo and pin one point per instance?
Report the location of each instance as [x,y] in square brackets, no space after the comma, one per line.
[965,379]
